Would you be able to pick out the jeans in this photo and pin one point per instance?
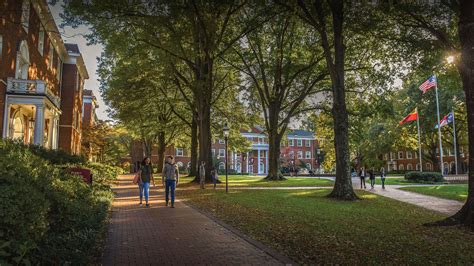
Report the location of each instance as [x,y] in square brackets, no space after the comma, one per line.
[144,190]
[372,182]
[362,181]
[383,182]
[170,187]
[214,180]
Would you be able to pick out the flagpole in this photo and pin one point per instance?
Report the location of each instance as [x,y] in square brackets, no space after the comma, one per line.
[419,140]
[455,144]
[439,128]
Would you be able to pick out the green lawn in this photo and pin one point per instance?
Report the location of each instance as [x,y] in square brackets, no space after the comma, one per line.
[454,192]
[257,181]
[312,229]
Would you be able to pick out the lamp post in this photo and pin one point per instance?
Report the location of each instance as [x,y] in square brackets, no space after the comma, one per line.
[226,136]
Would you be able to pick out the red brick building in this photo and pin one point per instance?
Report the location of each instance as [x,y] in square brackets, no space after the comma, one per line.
[299,148]
[74,75]
[89,120]
[37,74]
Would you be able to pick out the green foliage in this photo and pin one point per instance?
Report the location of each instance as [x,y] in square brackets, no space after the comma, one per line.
[424,176]
[56,157]
[46,215]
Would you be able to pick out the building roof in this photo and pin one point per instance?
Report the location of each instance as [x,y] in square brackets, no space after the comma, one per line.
[295,133]
[75,57]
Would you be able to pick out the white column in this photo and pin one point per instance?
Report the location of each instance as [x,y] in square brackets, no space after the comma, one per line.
[247,162]
[258,162]
[266,162]
[54,137]
[6,119]
[39,125]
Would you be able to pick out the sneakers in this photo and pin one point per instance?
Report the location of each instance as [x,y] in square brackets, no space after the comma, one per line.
[166,204]
[147,205]
[140,204]
[172,205]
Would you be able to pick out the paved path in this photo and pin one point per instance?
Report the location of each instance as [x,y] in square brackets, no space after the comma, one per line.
[165,236]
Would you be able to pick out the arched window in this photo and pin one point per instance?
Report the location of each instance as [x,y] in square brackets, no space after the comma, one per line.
[308,166]
[221,166]
[22,61]
[18,129]
[409,167]
[238,168]
[179,164]
[401,167]
[417,167]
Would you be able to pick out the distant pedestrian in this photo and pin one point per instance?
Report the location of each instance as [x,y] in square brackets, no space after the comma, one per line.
[145,177]
[372,178]
[202,174]
[446,171]
[215,177]
[382,177]
[362,175]
[170,179]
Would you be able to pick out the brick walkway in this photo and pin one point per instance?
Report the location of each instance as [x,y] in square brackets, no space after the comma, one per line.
[165,236]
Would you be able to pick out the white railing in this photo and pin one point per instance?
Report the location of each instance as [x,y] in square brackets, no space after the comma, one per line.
[32,87]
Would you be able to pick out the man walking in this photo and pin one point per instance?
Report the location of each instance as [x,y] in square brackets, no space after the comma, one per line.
[202,174]
[170,179]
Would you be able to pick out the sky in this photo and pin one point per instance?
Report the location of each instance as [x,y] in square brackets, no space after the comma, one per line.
[90,53]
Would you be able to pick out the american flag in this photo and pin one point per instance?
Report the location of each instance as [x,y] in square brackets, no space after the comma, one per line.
[428,84]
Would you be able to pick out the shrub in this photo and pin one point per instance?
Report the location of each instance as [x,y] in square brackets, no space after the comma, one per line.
[56,156]
[424,177]
[46,215]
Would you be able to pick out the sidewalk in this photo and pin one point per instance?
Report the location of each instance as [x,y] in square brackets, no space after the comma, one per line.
[165,236]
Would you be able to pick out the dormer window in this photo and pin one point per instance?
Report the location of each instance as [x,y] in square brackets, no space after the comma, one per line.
[25,14]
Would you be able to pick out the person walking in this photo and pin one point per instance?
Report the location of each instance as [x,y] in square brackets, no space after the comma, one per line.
[362,177]
[170,179]
[372,178]
[382,176]
[215,177]
[202,174]
[145,176]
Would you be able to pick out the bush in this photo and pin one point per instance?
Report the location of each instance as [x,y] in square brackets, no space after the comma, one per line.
[48,216]
[56,157]
[424,177]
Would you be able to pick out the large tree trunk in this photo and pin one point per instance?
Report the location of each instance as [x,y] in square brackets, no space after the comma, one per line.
[161,152]
[466,68]
[274,140]
[194,147]
[343,185]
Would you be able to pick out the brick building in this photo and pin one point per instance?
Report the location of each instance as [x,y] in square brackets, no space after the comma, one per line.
[70,125]
[35,77]
[89,120]
[407,160]
[299,146]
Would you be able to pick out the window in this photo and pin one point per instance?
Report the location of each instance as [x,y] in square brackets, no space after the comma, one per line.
[386,156]
[213,152]
[221,166]
[308,155]
[401,167]
[409,155]
[308,166]
[307,143]
[417,167]
[50,56]
[179,152]
[300,154]
[300,143]
[41,40]
[409,167]
[58,69]
[291,154]
[25,14]
[221,141]
[400,155]
[428,166]
[291,142]
[221,153]
[261,140]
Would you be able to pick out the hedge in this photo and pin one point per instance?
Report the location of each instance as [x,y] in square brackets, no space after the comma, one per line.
[46,215]
[424,177]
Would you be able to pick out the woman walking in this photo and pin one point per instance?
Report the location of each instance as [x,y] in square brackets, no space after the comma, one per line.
[382,177]
[170,179]
[145,176]
[362,177]
[215,177]
[372,178]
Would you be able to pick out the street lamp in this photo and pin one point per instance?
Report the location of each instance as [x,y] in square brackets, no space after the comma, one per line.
[226,136]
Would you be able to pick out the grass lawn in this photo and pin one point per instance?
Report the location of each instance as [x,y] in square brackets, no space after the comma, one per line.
[257,181]
[454,192]
[310,228]
[395,181]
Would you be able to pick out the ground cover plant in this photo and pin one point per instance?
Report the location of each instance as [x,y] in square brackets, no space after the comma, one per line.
[310,228]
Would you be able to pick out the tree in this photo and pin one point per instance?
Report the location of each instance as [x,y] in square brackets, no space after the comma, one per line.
[282,70]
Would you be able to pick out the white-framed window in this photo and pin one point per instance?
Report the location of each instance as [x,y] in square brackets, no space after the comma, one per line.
[308,166]
[401,167]
[261,140]
[409,167]
[221,166]
[300,143]
[25,14]
[291,154]
[417,167]
[179,151]
[221,141]
[221,153]
[308,155]
[409,155]
[41,40]
[400,155]
[58,69]
[300,154]
[51,56]
[291,142]
[307,143]
[392,156]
